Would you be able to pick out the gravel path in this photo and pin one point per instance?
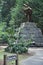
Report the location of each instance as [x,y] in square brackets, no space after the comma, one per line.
[37,59]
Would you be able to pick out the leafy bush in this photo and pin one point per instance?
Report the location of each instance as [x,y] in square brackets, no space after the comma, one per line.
[14,48]
[4,38]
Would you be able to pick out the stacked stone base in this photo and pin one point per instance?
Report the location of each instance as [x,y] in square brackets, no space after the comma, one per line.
[30,31]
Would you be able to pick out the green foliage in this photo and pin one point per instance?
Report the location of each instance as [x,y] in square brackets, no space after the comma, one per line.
[6,15]
[4,38]
[18,47]
[17,13]
[14,48]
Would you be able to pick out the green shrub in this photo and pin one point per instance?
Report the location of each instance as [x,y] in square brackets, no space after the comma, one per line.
[14,48]
[4,38]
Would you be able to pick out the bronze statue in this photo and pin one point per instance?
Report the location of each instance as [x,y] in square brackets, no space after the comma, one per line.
[28,12]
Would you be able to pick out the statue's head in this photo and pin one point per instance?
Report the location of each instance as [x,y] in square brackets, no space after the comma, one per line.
[26,6]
